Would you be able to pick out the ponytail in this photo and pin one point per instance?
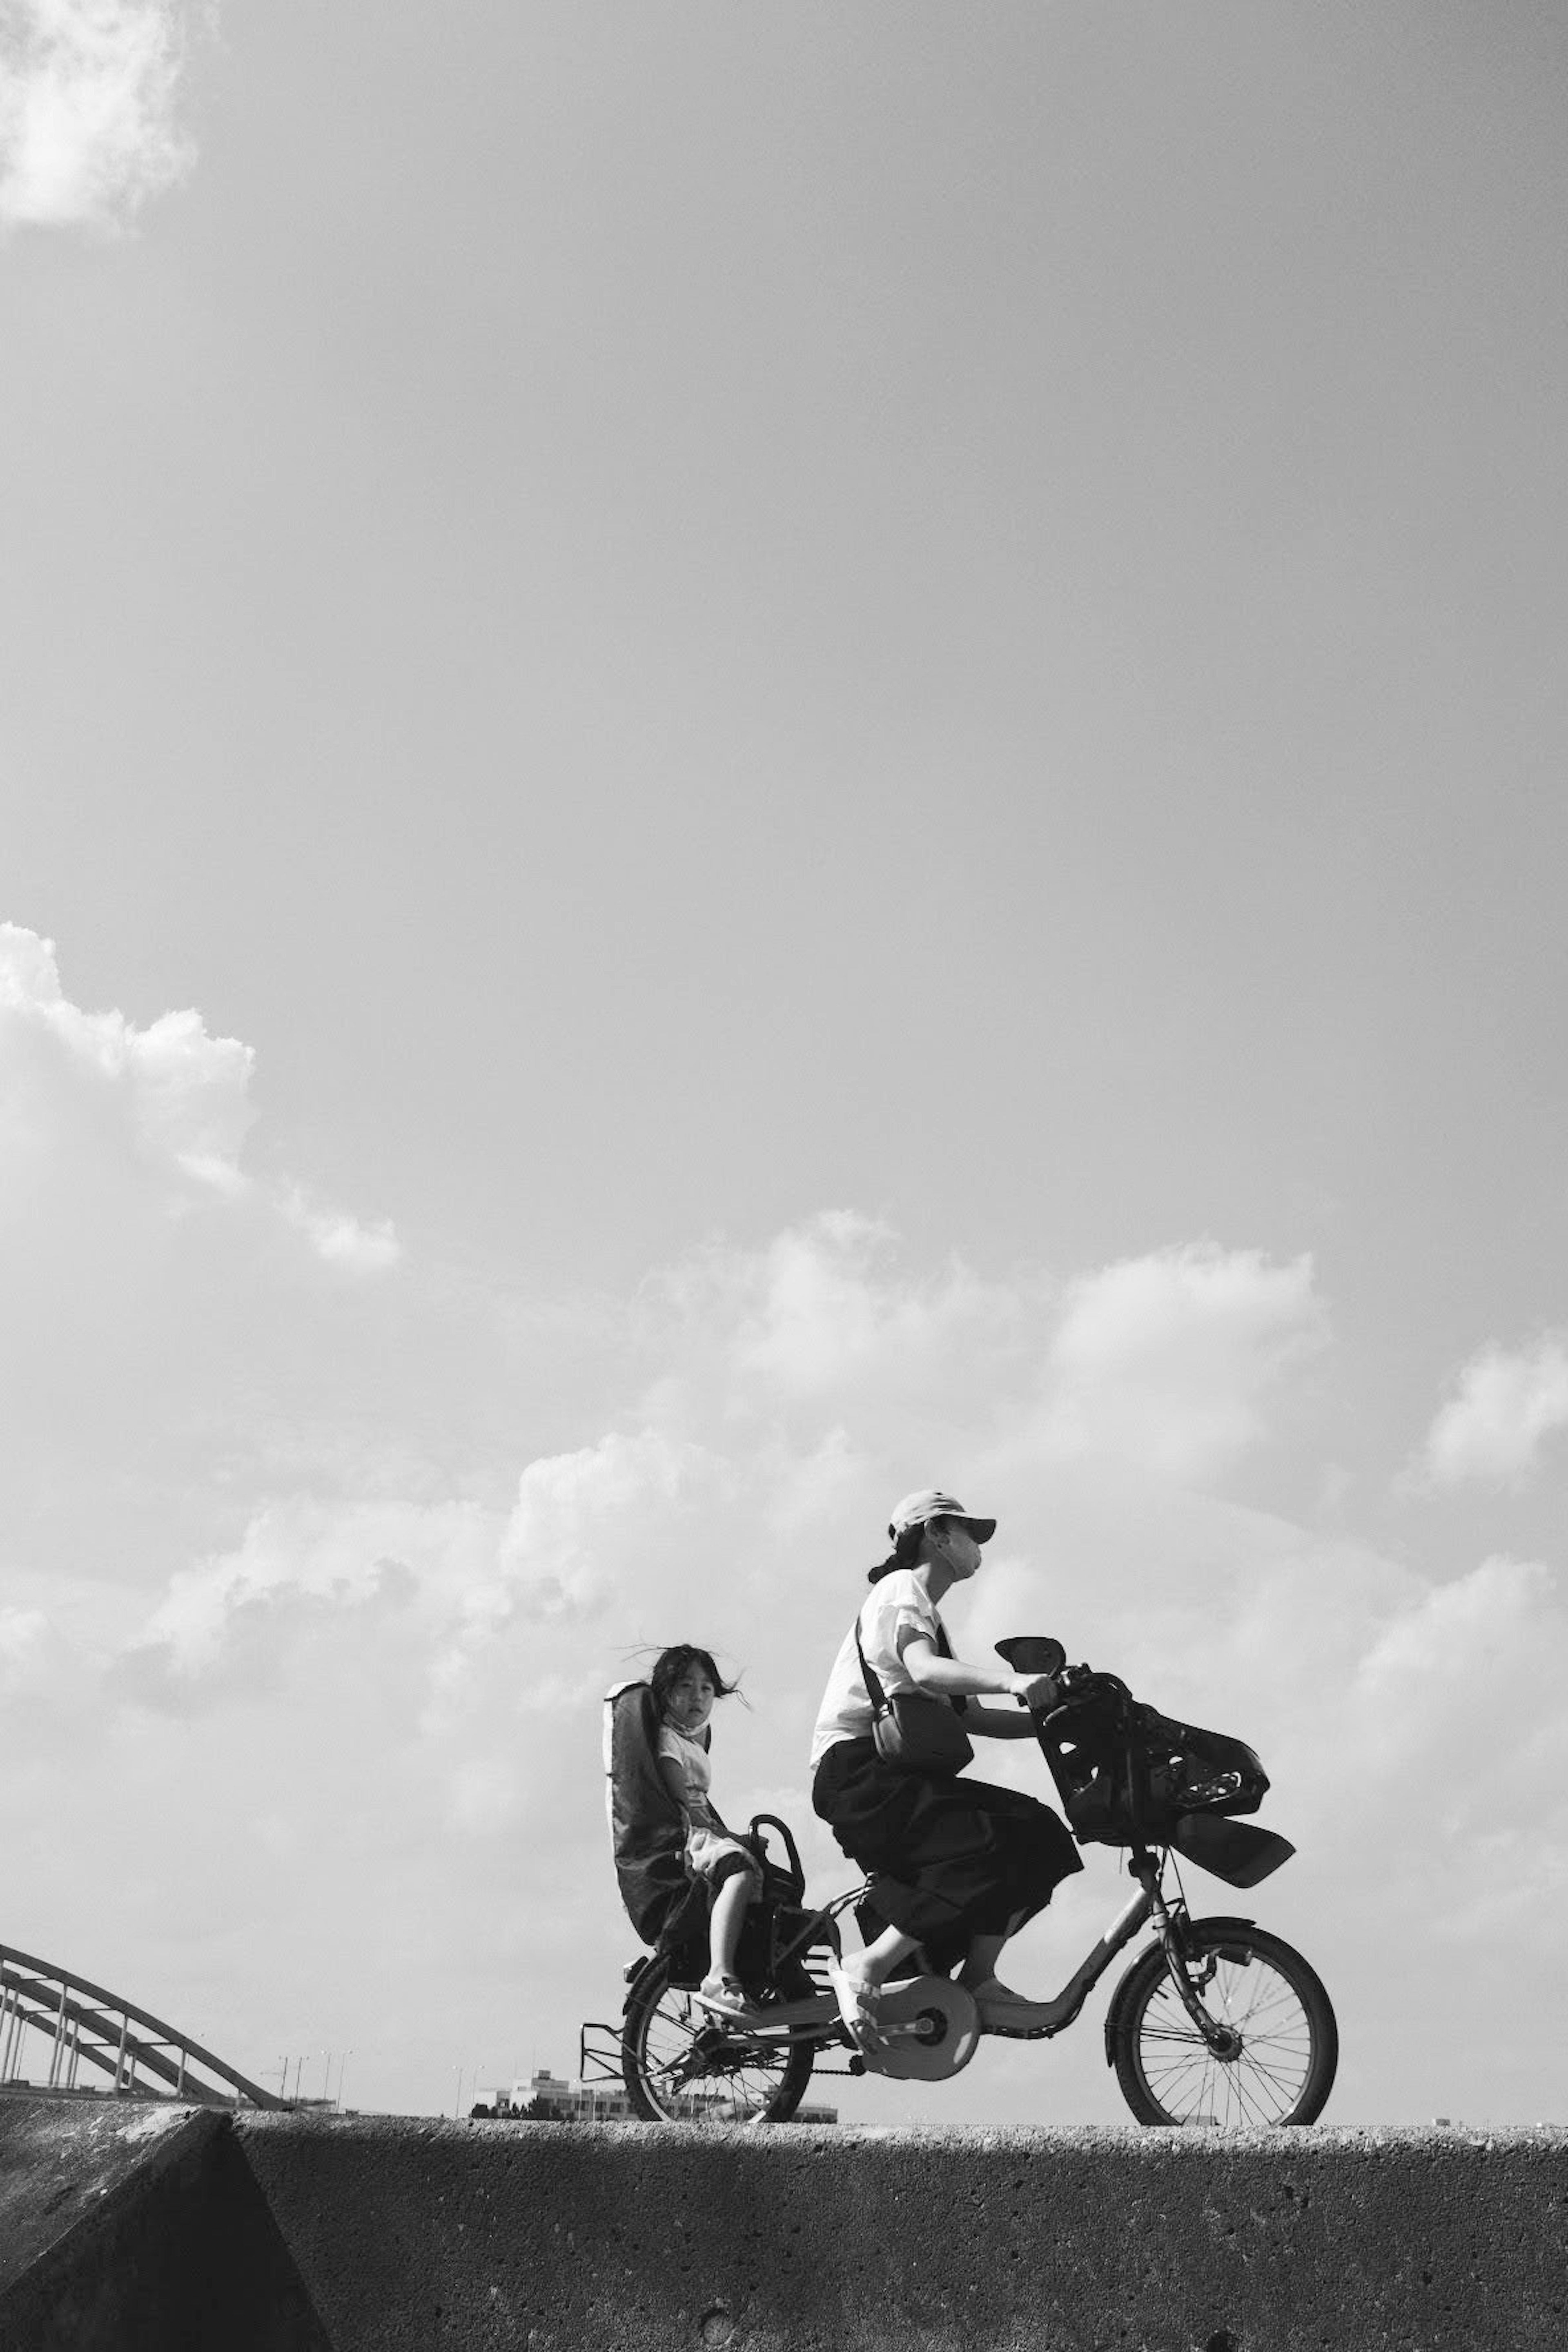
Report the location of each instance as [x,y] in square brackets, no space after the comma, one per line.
[906,1553]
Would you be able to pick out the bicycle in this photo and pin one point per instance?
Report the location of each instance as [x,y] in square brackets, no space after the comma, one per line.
[1215,2022]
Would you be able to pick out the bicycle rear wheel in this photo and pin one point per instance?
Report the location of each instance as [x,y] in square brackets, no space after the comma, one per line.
[681,2066]
[1281,2043]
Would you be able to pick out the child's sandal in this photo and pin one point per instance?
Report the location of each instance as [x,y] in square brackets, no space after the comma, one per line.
[724,1996]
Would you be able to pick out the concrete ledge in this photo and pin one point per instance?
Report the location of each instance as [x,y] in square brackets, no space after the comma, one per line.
[819,2240]
[394,2235]
[136,2226]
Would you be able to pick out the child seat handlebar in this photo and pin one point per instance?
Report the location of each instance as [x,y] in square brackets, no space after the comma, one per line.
[761,1821]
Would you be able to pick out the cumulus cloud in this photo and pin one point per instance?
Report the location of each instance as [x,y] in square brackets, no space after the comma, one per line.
[88,96]
[829,1318]
[176,1096]
[301,1557]
[179,1339]
[89,1102]
[1507,1405]
[1165,1358]
[826,1306]
[339,1239]
[560,1548]
[23,1635]
[1420,1755]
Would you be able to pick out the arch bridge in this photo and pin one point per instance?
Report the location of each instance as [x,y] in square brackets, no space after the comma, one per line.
[47,2009]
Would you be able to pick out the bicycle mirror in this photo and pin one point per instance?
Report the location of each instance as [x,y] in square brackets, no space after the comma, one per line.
[1033,1653]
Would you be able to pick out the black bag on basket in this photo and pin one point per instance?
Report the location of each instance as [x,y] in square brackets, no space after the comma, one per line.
[916,1731]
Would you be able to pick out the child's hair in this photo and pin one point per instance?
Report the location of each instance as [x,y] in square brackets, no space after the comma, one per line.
[671,1664]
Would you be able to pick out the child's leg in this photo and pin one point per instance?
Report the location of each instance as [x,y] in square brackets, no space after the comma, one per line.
[729,1917]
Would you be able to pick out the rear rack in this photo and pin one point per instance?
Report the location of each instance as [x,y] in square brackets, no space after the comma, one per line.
[599,2062]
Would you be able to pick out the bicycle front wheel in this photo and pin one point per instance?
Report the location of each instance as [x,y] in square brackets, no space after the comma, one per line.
[681,2065]
[1278,2044]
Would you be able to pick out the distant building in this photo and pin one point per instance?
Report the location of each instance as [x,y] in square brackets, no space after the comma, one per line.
[545,2097]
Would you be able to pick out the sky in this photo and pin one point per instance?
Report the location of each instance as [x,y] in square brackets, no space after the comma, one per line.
[749,757]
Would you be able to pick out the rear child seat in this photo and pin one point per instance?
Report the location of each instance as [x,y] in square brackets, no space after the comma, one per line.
[647,1828]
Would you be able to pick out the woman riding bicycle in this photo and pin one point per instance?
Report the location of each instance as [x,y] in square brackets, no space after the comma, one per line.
[957,1866]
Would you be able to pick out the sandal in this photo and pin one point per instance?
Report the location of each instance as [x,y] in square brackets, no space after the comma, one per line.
[1003,2011]
[858,2002]
[724,1997]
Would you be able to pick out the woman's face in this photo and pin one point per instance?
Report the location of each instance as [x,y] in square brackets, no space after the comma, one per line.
[691,1700]
[956,1545]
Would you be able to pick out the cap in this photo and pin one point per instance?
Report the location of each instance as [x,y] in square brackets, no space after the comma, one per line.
[932,1503]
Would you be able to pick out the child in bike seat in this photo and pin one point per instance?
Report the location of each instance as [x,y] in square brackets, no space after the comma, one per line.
[687,1683]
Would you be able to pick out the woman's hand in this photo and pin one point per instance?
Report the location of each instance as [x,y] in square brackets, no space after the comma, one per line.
[1039,1693]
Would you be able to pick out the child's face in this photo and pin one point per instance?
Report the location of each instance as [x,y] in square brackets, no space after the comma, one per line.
[691,1700]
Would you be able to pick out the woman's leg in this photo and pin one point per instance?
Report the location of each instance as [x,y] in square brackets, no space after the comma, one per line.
[979,1964]
[877,1962]
[957,1866]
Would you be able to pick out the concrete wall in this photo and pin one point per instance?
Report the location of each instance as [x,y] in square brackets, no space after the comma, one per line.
[375,2235]
[137,2226]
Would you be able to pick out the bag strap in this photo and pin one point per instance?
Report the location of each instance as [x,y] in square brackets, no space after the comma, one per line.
[874,1691]
[880,1703]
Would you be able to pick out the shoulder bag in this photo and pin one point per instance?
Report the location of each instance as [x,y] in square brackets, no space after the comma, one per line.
[916,1731]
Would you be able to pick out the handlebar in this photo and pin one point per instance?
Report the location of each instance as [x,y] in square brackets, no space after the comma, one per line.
[1083,1684]
[1042,1654]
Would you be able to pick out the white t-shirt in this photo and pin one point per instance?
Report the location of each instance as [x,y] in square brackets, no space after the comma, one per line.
[692,1757]
[895,1611]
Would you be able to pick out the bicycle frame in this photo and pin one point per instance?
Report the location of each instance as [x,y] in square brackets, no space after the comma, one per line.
[817,2020]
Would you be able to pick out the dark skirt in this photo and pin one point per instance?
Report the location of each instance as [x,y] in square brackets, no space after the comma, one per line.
[949,1858]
